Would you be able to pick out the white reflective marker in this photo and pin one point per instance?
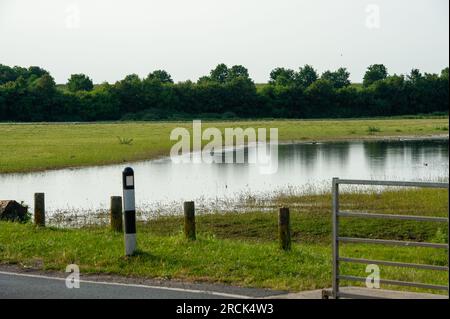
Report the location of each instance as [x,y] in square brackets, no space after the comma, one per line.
[129,181]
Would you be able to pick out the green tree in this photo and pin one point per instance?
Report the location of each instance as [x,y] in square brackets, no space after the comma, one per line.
[37,71]
[320,95]
[7,74]
[306,76]
[160,76]
[204,80]
[282,76]
[339,79]
[129,92]
[45,84]
[391,92]
[374,73]
[99,103]
[238,71]
[79,82]
[415,76]
[220,74]
[445,73]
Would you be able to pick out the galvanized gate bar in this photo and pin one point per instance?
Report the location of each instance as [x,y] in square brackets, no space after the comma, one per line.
[392,242]
[392,263]
[397,283]
[336,238]
[392,183]
[390,216]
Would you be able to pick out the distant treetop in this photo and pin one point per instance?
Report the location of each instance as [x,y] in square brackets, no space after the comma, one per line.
[79,82]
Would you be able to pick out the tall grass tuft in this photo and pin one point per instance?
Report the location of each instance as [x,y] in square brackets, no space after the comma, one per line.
[125,140]
[373,129]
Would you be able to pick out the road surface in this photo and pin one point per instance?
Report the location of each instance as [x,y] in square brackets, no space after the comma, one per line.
[16,285]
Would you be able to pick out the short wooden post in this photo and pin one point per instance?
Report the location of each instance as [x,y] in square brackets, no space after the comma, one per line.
[284,229]
[39,209]
[189,220]
[116,214]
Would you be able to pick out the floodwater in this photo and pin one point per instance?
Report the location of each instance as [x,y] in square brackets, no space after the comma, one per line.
[299,166]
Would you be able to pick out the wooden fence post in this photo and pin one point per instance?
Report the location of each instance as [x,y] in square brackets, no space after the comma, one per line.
[189,220]
[284,229]
[39,209]
[116,214]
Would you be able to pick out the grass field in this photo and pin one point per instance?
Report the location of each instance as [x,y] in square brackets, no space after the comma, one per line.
[241,249]
[232,248]
[30,147]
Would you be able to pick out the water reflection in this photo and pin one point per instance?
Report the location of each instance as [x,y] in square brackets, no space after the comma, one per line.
[299,165]
[422,158]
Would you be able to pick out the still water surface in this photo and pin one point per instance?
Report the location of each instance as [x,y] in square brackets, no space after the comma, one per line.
[299,165]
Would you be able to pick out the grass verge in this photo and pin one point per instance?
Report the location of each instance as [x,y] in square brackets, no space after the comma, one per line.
[241,248]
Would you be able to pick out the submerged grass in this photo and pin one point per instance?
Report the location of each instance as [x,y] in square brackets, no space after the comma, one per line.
[311,217]
[241,248]
[30,147]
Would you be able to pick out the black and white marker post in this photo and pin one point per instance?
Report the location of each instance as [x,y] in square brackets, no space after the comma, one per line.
[129,211]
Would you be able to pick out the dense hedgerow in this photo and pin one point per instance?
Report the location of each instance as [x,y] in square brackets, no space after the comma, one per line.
[30,94]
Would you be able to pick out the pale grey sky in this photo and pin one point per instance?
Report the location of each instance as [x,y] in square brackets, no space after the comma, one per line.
[108,39]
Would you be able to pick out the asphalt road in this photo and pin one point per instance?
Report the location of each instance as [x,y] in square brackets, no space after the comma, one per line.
[15,286]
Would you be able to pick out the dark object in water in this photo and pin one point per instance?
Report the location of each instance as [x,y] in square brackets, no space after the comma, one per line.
[12,211]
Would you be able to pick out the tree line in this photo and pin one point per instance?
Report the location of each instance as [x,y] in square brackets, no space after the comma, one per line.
[31,95]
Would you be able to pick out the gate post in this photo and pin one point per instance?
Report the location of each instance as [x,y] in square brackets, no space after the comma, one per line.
[335,248]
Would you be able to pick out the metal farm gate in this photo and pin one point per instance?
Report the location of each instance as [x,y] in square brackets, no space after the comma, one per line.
[337,239]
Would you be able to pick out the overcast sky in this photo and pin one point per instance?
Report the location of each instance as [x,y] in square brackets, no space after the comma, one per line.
[108,39]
